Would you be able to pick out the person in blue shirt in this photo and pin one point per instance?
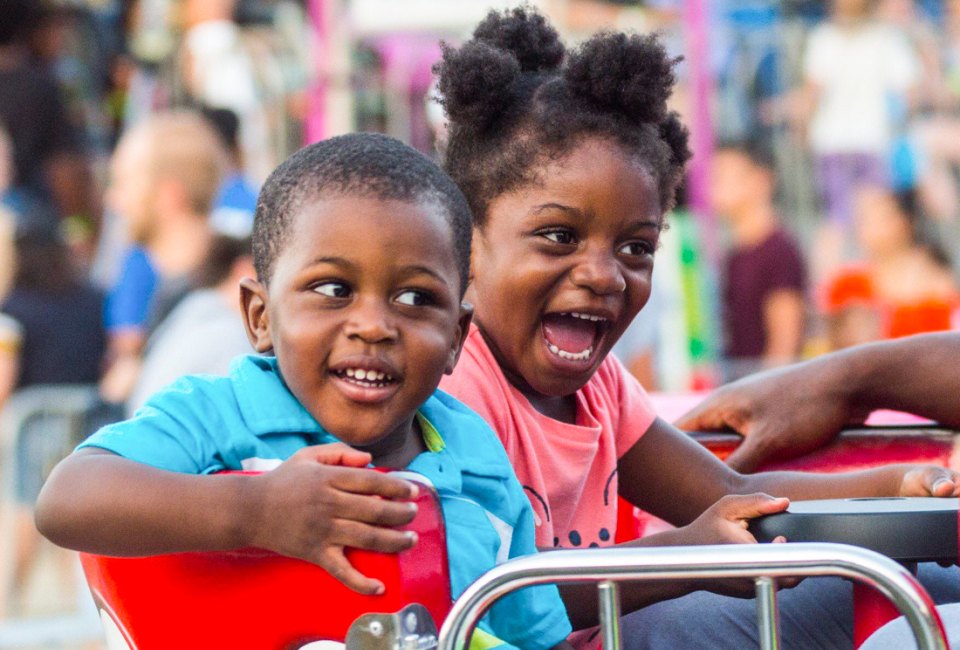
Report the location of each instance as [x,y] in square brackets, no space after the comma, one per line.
[361,247]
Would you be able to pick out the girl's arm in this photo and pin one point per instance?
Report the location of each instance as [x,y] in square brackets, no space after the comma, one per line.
[98,502]
[669,475]
[673,477]
[724,522]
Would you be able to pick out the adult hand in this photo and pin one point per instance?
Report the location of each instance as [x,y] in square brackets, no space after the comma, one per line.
[312,510]
[781,414]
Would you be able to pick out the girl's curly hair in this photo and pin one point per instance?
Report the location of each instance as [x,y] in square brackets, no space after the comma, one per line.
[515,97]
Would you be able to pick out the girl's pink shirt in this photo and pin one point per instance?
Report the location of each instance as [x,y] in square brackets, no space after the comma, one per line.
[569,471]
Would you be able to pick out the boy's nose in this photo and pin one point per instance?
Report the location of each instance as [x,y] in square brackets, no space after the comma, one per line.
[370,322]
[600,274]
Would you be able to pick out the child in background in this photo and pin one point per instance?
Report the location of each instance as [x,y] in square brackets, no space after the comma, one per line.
[763,290]
[904,284]
[570,161]
[361,247]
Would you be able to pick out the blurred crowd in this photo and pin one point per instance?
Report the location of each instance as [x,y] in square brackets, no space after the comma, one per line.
[833,183]
[134,135]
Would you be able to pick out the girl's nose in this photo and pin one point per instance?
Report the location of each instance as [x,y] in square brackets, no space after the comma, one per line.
[370,321]
[600,274]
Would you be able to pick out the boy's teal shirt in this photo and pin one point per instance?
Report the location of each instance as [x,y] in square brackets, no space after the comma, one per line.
[250,420]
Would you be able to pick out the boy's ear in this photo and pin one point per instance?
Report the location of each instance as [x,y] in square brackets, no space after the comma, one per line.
[463,329]
[256,319]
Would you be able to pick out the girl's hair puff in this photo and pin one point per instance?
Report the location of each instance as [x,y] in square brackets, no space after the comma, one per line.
[515,98]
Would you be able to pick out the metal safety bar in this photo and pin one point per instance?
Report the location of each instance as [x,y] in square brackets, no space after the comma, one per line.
[760,562]
[67,404]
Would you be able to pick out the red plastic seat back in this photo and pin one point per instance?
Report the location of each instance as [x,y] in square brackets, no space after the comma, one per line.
[258,599]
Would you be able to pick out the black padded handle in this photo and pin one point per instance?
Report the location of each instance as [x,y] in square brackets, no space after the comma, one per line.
[908,529]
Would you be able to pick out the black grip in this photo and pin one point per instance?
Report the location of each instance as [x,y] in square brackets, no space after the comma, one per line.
[914,529]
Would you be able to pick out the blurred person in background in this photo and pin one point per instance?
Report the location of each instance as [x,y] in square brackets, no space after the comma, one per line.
[49,162]
[856,70]
[165,175]
[936,130]
[763,288]
[218,71]
[236,201]
[63,342]
[205,332]
[904,284]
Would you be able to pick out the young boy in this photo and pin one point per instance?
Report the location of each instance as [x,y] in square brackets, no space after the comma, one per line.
[361,247]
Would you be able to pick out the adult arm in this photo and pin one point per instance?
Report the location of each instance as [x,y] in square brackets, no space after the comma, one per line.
[789,411]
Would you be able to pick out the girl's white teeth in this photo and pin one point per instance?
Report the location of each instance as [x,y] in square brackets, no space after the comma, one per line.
[590,317]
[572,356]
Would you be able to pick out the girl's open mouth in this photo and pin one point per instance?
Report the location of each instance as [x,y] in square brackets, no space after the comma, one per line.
[573,336]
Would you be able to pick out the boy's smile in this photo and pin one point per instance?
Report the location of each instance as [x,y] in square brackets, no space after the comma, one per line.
[560,268]
[363,313]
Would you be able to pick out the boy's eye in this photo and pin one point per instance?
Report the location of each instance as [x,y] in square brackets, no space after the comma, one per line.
[637,248]
[559,236]
[414,298]
[333,290]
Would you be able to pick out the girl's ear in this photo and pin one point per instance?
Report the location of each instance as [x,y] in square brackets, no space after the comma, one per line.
[463,329]
[256,319]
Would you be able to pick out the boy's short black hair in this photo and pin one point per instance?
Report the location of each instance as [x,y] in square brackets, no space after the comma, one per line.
[360,164]
[516,98]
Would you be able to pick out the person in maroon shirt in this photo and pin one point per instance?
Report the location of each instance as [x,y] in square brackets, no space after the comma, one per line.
[764,279]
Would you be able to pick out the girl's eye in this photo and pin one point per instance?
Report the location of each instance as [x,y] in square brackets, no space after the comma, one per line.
[414,298]
[637,248]
[559,236]
[333,290]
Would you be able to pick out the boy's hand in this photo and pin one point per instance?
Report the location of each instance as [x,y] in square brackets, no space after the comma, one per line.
[310,510]
[930,481]
[725,522]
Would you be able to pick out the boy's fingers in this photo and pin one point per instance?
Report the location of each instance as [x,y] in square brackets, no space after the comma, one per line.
[373,510]
[337,454]
[373,538]
[336,564]
[363,481]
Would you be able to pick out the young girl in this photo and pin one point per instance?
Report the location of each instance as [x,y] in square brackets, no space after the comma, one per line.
[570,160]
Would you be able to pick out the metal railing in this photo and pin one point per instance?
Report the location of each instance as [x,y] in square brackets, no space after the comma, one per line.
[63,407]
[762,563]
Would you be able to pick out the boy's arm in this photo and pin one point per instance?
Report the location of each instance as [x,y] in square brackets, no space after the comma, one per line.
[99,502]
[789,411]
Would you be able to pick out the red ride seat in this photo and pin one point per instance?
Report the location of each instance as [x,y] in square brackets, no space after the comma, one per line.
[253,598]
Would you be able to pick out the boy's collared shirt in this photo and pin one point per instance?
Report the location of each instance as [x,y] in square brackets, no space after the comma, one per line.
[251,421]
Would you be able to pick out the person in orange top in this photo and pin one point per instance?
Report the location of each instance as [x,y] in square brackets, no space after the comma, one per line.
[903,286]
